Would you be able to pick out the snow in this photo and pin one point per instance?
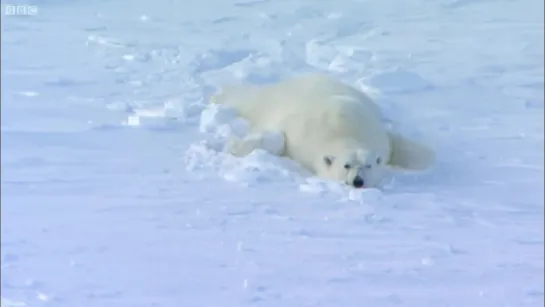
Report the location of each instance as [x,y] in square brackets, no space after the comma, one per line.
[116,190]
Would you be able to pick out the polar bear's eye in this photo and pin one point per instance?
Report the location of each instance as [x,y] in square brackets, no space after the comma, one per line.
[379,160]
[347,166]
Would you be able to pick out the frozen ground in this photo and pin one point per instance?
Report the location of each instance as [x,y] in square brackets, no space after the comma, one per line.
[112,196]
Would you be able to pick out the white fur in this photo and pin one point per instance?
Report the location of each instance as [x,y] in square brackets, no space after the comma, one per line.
[325,125]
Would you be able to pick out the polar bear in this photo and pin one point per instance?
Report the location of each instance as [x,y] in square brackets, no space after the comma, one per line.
[330,128]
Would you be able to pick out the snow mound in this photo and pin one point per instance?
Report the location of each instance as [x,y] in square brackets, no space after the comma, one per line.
[217,124]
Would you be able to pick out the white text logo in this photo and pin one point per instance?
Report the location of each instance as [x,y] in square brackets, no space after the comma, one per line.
[20,10]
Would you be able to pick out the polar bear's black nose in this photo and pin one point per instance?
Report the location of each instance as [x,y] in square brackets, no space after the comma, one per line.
[358,182]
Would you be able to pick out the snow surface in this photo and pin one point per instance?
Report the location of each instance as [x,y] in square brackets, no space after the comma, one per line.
[116,191]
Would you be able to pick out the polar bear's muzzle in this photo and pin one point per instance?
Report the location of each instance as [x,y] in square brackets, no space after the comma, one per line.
[358,182]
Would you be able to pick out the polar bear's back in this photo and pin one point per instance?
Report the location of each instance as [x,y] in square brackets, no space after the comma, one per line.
[316,93]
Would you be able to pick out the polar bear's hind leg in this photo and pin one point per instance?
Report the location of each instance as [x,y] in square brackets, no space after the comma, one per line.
[408,154]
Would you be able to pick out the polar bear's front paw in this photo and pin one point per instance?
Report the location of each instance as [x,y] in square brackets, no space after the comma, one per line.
[273,142]
[242,147]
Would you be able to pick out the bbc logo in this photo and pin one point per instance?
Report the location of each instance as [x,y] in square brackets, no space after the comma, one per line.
[20,10]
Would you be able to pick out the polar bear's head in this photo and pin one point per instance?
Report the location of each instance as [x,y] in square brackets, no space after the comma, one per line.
[359,168]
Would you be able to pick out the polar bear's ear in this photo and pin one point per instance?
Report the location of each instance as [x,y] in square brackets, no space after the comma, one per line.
[328,160]
[409,155]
